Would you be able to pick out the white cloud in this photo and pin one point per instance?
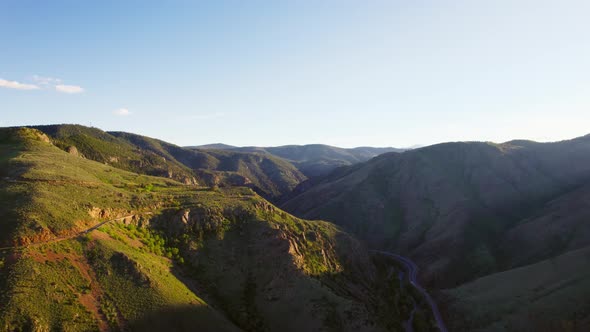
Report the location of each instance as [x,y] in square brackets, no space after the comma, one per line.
[46,80]
[16,85]
[42,82]
[122,112]
[68,88]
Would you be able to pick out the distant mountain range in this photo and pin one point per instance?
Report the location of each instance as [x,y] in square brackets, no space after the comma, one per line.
[272,172]
[232,238]
[314,159]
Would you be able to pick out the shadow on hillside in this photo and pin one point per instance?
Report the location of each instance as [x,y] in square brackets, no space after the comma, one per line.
[182,318]
[252,274]
[14,196]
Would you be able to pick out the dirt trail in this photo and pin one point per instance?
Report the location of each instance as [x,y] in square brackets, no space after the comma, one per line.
[90,300]
[68,237]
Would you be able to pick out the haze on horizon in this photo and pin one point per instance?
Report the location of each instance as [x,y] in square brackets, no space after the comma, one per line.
[344,73]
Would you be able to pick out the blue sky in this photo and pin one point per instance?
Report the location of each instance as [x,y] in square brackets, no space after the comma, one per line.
[346,73]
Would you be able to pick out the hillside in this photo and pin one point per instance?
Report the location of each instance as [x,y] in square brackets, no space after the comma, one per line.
[170,255]
[559,226]
[462,210]
[268,175]
[213,146]
[314,160]
[551,295]
[416,202]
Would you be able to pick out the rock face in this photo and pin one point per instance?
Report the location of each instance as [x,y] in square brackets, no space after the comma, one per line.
[195,220]
[190,181]
[72,150]
[44,138]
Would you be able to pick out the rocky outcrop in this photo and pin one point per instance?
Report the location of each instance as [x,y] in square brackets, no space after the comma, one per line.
[73,150]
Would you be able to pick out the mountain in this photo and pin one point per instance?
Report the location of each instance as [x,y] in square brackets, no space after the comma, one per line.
[551,295]
[315,159]
[463,210]
[214,146]
[88,246]
[270,176]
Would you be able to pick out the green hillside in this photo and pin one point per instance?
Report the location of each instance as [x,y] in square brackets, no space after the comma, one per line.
[97,145]
[270,176]
[180,257]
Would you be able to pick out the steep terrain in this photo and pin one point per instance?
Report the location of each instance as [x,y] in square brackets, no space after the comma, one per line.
[551,295]
[171,256]
[270,176]
[463,210]
[447,198]
[314,159]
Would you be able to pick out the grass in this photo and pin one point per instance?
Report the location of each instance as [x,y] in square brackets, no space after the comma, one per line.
[545,296]
[42,294]
[259,265]
[136,281]
[270,175]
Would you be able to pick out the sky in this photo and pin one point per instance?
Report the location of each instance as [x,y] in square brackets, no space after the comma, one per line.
[266,73]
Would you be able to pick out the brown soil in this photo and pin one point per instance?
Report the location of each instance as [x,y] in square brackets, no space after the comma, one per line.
[91,300]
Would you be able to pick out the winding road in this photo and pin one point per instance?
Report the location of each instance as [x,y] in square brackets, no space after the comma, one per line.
[412,269]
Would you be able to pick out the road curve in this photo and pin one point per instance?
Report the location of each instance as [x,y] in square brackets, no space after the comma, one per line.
[412,277]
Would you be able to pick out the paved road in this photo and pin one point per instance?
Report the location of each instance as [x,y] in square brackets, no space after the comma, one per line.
[413,278]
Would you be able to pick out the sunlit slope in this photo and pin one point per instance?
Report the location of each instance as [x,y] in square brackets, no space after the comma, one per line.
[183,256]
[270,176]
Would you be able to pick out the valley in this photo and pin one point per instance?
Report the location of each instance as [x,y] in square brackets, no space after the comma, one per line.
[115,231]
[467,211]
[90,246]
[294,166]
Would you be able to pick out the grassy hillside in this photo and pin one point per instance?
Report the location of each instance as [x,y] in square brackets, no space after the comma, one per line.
[559,226]
[448,206]
[181,257]
[270,176]
[97,145]
[467,210]
[551,295]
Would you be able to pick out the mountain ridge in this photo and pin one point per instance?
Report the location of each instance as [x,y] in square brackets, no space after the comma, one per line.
[182,257]
[315,160]
[463,210]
